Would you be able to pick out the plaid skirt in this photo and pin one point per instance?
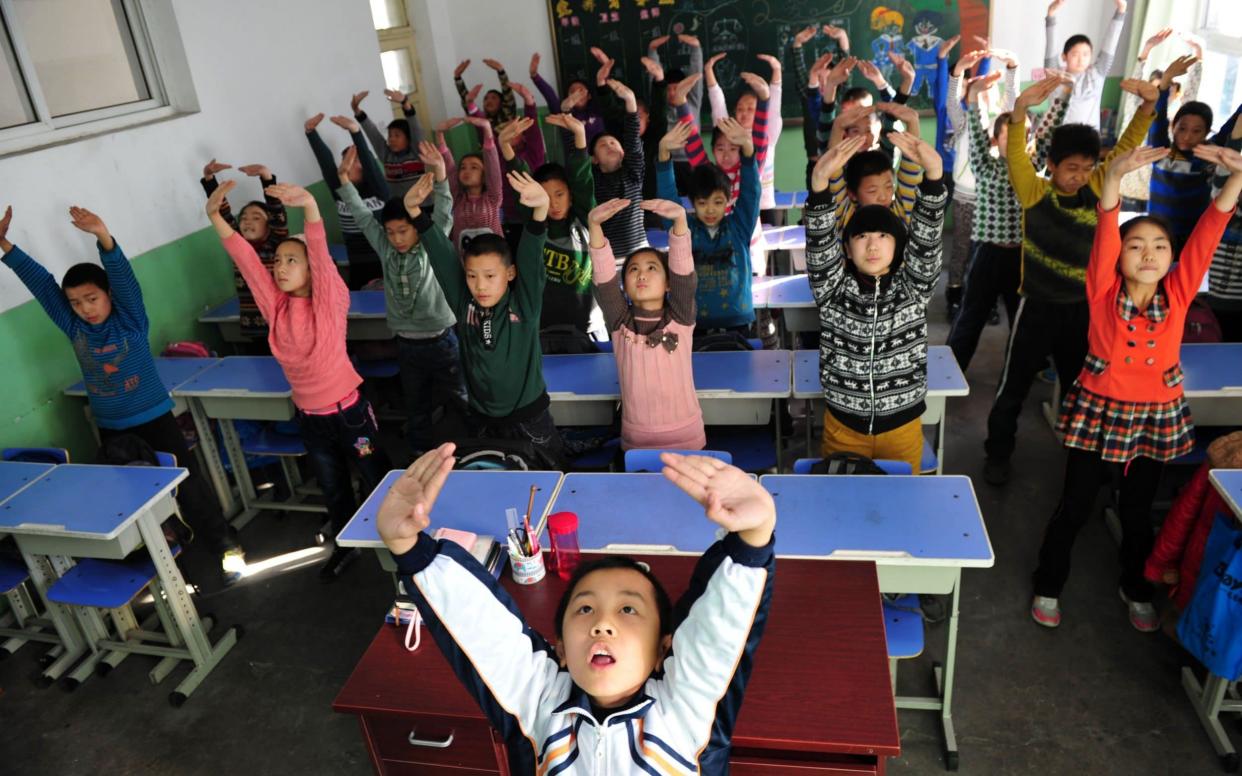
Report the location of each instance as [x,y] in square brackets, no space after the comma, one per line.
[1124,430]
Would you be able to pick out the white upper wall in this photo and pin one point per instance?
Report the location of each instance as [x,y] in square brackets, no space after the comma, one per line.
[259,70]
[448,31]
[1018,25]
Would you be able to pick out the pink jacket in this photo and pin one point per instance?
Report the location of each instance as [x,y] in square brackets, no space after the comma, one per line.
[307,335]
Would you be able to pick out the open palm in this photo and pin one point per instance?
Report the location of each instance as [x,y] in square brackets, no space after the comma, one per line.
[406,508]
[728,495]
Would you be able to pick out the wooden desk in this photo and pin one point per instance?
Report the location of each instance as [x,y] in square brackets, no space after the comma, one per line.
[819,700]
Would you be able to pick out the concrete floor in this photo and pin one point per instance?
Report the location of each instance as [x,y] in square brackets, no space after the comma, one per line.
[1094,697]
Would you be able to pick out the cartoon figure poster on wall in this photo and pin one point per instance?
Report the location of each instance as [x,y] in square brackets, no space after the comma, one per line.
[887,23]
[923,49]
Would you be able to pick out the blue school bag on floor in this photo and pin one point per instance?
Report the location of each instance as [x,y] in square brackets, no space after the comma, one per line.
[1211,626]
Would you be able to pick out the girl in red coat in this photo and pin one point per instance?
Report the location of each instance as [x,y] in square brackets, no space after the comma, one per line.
[1127,408]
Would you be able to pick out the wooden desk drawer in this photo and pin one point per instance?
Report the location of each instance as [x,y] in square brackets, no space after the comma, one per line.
[471,745]
[755,763]
[394,768]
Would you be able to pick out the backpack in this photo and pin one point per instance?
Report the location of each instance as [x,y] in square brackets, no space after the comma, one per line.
[127,450]
[564,339]
[1201,324]
[846,463]
[718,341]
[502,454]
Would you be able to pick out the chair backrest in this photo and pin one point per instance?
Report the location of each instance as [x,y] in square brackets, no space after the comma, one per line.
[649,460]
[166,459]
[803,466]
[35,454]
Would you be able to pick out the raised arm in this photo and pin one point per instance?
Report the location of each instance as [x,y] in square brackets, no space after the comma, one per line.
[608,287]
[209,184]
[37,280]
[450,165]
[682,282]
[825,260]
[1108,46]
[715,95]
[532,277]
[1134,133]
[1195,257]
[258,279]
[372,229]
[323,154]
[695,98]
[1052,52]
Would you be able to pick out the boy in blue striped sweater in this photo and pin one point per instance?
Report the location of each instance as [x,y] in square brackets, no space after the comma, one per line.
[1181,183]
[102,313]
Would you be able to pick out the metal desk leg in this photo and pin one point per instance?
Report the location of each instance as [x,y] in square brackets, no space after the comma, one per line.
[189,627]
[779,420]
[211,458]
[1209,701]
[943,702]
[42,574]
[810,427]
[940,445]
[245,486]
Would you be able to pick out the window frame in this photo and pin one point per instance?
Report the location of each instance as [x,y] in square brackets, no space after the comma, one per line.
[1218,40]
[161,59]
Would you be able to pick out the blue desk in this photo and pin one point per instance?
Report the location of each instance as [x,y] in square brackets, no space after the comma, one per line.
[1228,483]
[14,477]
[124,510]
[660,517]
[241,388]
[367,319]
[920,532]
[1213,383]
[944,379]
[472,501]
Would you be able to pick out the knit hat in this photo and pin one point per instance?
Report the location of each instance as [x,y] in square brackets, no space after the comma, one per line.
[877,218]
[1226,452]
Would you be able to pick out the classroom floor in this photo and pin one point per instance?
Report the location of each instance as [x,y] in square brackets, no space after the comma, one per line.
[1093,697]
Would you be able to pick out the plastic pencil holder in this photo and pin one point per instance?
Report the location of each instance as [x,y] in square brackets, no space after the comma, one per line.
[527,569]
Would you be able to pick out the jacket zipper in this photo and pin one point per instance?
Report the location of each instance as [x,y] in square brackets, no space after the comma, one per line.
[875,319]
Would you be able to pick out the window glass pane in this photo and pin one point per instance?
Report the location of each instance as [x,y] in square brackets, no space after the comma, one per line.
[15,107]
[1221,87]
[86,64]
[388,14]
[1224,16]
[398,70]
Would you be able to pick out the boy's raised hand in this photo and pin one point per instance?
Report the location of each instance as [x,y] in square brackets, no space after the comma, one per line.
[1176,69]
[395,96]
[483,125]
[624,93]
[447,124]
[677,136]
[605,66]
[494,64]
[255,171]
[689,40]
[838,73]
[947,46]
[657,42]
[839,35]
[572,124]
[1219,155]
[1039,91]
[673,211]
[1134,159]
[461,68]
[1145,90]
[417,194]
[757,85]
[737,134]
[653,68]
[803,36]
[872,74]
[730,498]
[290,194]
[217,197]
[709,70]
[534,65]
[523,92]
[830,164]
[682,90]
[4,228]
[313,122]
[906,68]
[968,60]
[346,123]
[406,508]
[1055,6]
[980,84]
[511,131]
[1155,40]
[348,160]
[903,113]
[92,224]
[211,168]
[355,102]
[473,94]
[920,152]
[774,65]
[530,193]
[430,156]
[606,210]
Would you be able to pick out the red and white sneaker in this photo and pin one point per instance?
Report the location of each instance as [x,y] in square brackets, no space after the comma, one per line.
[1142,614]
[1046,611]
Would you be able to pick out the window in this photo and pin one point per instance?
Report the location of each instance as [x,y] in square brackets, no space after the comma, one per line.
[1221,29]
[396,43]
[74,68]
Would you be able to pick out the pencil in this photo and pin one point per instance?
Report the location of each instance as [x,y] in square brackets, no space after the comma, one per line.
[529,506]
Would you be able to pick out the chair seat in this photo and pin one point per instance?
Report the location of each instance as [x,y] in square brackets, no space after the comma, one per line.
[269,441]
[13,572]
[646,460]
[384,367]
[903,626]
[752,449]
[599,459]
[929,463]
[105,584]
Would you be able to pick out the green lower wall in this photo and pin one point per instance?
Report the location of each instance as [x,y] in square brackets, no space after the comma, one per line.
[179,280]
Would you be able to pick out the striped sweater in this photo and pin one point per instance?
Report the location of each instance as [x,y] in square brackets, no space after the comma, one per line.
[400,169]
[1181,185]
[122,385]
[1058,228]
[768,125]
[373,188]
[476,213]
[1225,275]
[625,229]
[760,134]
[873,331]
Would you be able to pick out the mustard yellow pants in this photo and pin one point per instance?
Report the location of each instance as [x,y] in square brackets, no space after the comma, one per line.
[904,443]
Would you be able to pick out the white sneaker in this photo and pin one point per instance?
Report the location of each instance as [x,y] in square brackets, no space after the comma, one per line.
[1142,614]
[1046,611]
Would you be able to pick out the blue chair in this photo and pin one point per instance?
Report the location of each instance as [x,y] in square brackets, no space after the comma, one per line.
[35,454]
[649,460]
[276,442]
[752,447]
[928,464]
[803,466]
[377,368]
[903,631]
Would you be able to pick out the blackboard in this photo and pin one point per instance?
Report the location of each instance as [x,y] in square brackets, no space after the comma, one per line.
[743,28]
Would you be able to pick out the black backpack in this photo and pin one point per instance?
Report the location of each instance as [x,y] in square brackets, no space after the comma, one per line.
[127,450]
[718,341]
[565,340]
[503,454]
[846,463]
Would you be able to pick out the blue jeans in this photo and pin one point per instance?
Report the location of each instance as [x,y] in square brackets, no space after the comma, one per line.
[431,376]
[332,442]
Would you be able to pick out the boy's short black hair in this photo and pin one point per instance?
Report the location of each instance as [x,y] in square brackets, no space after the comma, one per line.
[484,244]
[664,606]
[394,210]
[1074,140]
[1194,108]
[1000,122]
[595,141]
[1074,40]
[661,255]
[865,164]
[551,171]
[402,126]
[706,180]
[84,273]
[854,94]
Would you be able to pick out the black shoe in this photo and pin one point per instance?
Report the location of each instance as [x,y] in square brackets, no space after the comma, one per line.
[337,562]
[953,301]
[996,471]
[994,318]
